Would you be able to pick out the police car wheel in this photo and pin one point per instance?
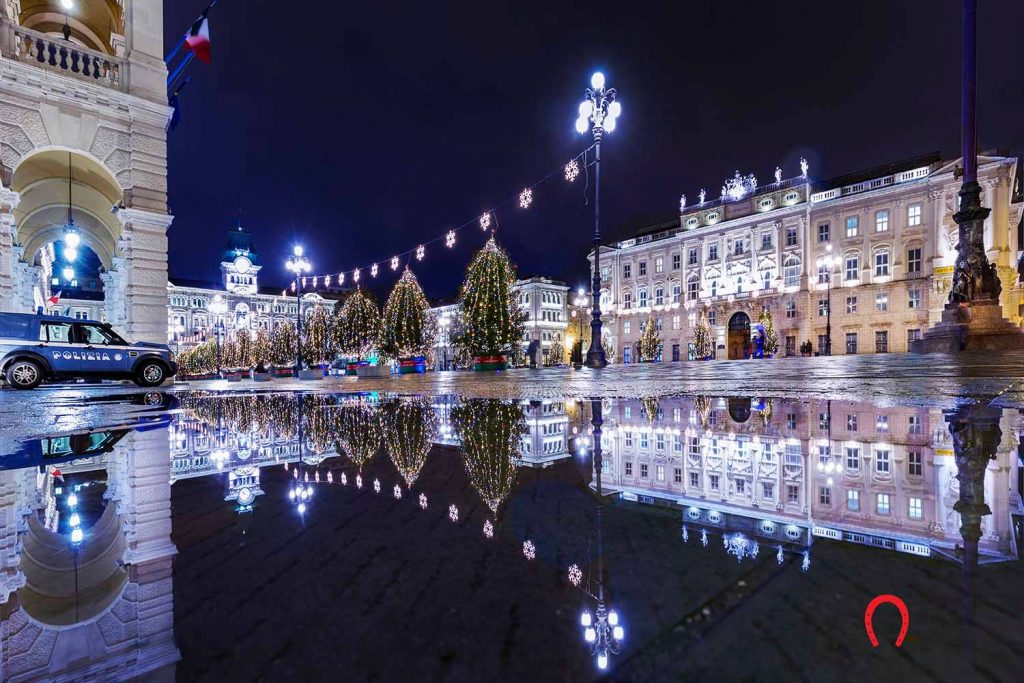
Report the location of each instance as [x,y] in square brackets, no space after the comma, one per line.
[24,374]
[151,374]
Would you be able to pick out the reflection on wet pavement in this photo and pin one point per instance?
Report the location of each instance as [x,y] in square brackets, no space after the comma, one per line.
[281,536]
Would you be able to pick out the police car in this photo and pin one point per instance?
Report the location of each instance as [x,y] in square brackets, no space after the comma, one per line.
[41,347]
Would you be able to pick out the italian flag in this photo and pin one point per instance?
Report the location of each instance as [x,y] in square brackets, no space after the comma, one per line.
[199,39]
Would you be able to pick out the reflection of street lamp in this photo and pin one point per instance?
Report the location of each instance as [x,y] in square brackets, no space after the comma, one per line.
[298,264]
[827,263]
[598,112]
[218,307]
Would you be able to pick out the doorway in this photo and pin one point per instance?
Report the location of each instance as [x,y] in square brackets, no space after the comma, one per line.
[739,335]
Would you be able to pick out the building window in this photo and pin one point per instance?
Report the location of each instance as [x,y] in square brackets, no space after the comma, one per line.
[766,240]
[851,304]
[791,273]
[642,268]
[712,317]
[677,475]
[713,482]
[790,420]
[914,463]
[914,299]
[882,424]
[741,486]
[851,342]
[660,472]
[853,501]
[882,220]
[627,300]
[627,326]
[712,252]
[913,215]
[626,270]
[627,354]
[824,495]
[659,296]
[882,507]
[643,470]
[913,424]
[852,270]
[881,341]
[881,302]
[823,274]
[790,309]
[823,232]
[767,490]
[853,459]
[852,226]
[659,264]
[629,468]
[676,290]
[713,286]
[851,422]
[676,322]
[881,263]
[913,335]
[792,493]
[694,480]
[822,307]
[658,324]
[738,246]
[882,461]
[914,260]
[641,298]
[914,509]
[692,289]
[791,236]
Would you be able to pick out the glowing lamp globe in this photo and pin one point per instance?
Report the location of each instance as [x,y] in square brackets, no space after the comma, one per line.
[586,108]
[70,253]
[69,274]
[602,661]
[302,508]
[590,635]
[77,535]
[585,619]
[618,633]
[297,250]
[609,124]
[597,81]
[614,109]
[581,125]
[72,500]
[67,4]
[613,618]
[72,239]
[75,520]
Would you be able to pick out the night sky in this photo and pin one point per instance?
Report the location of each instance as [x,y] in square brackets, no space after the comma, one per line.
[361,129]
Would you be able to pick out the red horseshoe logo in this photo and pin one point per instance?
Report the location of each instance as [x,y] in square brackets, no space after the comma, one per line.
[869,616]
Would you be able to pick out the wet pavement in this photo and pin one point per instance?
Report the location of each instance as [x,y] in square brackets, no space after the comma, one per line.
[411,532]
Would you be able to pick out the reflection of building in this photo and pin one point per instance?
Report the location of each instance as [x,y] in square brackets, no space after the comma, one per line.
[846,471]
[547,433]
[545,303]
[759,246]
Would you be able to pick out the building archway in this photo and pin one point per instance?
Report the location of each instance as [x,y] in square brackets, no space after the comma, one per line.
[739,335]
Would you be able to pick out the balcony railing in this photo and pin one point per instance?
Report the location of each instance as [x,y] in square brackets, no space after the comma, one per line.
[65,57]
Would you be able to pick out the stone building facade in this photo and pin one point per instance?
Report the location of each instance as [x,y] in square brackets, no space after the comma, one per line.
[89,112]
[889,230]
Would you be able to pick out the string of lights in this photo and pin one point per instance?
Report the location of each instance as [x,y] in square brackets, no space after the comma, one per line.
[485,222]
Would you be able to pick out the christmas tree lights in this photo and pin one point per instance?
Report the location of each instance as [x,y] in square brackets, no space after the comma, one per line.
[492,320]
[318,338]
[490,431]
[703,341]
[359,331]
[409,429]
[650,342]
[408,328]
[282,344]
[771,337]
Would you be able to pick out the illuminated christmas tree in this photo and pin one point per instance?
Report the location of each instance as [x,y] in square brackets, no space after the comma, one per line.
[282,345]
[555,354]
[230,360]
[243,344]
[650,342]
[771,337]
[609,349]
[491,431]
[409,427]
[493,322]
[261,350]
[317,337]
[359,331]
[407,326]
[703,341]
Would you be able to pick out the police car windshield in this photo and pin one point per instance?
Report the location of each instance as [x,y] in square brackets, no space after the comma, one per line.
[96,334]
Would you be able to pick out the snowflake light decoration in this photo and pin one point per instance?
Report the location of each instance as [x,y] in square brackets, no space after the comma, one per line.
[449,239]
[572,170]
[704,537]
[344,479]
[740,546]
[575,575]
[303,282]
[686,534]
[398,491]
[420,251]
[355,275]
[779,557]
[373,270]
[316,476]
[314,282]
[423,501]
[525,198]
[488,529]
[485,221]
[453,513]
[394,263]
[529,550]
[376,485]
[327,280]
[359,481]
[330,478]
[806,564]
[341,278]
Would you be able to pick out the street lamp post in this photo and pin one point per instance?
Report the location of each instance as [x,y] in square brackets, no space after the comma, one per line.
[298,264]
[598,112]
[218,307]
[828,262]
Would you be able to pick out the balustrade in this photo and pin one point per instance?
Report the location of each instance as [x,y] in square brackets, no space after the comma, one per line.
[63,56]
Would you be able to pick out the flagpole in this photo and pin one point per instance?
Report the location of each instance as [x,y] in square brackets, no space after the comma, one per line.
[181,42]
[181,67]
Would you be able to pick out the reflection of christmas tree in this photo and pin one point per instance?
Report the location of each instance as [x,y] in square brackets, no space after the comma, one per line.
[490,431]
[650,406]
[360,430]
[650,342]
[493,322]
[320,423]
[702,404]
[359,331]
[261,350]
[409,427]
[282,345]
[317,337]
[771,338]
[407,327]
[702,338]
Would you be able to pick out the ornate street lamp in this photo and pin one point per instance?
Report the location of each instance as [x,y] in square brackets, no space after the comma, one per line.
[298,264]
[598,112]
[827,263]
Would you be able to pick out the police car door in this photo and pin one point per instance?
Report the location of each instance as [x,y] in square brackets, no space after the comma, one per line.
[100,351]
[58,345]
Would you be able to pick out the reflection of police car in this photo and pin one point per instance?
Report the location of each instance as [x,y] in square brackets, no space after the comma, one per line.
[38,347]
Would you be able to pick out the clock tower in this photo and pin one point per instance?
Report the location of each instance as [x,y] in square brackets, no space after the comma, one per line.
[239,265]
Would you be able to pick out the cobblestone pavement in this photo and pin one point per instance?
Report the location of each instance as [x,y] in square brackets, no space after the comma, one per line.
[886,379]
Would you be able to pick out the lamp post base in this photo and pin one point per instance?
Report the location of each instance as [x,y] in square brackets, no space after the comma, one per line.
[596,358]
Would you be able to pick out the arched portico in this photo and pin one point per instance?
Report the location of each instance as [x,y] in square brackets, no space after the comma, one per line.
[739,335]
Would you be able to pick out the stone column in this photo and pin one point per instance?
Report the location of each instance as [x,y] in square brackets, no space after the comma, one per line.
[8,259]
[144,274]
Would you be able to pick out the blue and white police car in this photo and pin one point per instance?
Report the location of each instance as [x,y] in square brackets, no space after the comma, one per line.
[38,347]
